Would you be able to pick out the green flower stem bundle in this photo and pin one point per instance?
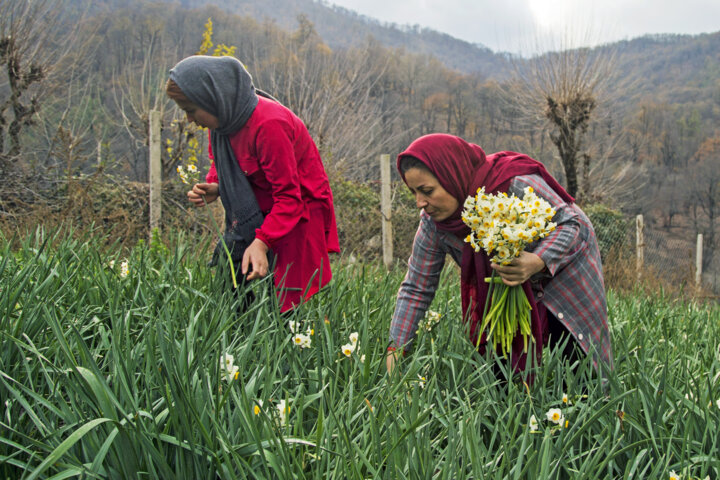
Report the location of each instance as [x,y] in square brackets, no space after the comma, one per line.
[503,226]
[510,313]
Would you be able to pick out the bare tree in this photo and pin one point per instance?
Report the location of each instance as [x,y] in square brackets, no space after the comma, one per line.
[334,93]
[139,89]
[563,90]
[36,43]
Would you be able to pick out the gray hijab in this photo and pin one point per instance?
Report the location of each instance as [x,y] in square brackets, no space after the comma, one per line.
[222,87]
[219,85]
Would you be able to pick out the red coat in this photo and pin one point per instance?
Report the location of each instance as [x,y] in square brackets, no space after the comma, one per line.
[284,168]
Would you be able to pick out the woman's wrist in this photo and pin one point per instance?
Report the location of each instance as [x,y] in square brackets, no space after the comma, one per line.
[262,245]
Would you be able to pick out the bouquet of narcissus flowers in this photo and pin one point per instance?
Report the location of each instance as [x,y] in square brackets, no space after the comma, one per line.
[503,226]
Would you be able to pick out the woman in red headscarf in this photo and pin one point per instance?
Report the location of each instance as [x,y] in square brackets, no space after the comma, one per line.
[561,274]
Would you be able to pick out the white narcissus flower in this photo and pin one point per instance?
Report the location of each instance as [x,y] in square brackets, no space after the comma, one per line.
[230,370]
[183,175]
[124,269]
[354,338]
[348,349]
[283,410]
[533,424]
[293,326]
[565,399]
[555,415]
[302,341]
[227,360]
[674,476]
[431,319]
[362,358]
[718,403]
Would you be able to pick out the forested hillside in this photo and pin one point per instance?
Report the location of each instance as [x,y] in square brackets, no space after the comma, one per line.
[79,79]
[343,28]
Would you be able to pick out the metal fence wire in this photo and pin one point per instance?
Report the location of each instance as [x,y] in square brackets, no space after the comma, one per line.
[657,258]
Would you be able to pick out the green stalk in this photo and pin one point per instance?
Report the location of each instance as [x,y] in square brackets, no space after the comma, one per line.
[491,281]
[227,251]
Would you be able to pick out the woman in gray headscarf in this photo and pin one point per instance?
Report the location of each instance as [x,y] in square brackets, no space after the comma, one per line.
[268,172]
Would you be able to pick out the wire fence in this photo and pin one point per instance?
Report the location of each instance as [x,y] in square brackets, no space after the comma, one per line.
[669,254]
[661,259]
[378,220]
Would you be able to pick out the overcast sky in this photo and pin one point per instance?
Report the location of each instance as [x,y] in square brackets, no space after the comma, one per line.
[529,26]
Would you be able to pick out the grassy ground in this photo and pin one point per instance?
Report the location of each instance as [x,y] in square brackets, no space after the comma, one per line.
[106,375]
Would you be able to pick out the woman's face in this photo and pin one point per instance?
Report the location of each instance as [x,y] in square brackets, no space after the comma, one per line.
[430,195]
[198,116]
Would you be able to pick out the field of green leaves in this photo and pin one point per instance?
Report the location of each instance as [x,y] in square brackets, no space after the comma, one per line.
[136,365]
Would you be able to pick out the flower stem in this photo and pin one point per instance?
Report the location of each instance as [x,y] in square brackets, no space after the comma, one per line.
[491,282]
[222,240]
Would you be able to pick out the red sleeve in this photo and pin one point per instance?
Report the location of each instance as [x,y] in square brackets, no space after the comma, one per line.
[211,176]
[276,155]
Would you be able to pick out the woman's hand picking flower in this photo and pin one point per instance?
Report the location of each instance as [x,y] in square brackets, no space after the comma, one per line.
[210,191]
[255,255]
[391,359]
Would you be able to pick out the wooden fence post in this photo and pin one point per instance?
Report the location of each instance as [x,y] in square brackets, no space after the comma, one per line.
[386,210]
[639,245]
[698,261]
[155,171]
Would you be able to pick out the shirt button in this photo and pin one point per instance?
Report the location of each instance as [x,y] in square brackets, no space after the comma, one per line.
[539,295]
[560,316]
[580,337]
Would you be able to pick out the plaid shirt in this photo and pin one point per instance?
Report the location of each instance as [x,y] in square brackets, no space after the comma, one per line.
[571,287]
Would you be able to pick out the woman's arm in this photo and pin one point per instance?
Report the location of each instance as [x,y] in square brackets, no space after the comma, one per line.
[418,288]
[276,156]
[275,152]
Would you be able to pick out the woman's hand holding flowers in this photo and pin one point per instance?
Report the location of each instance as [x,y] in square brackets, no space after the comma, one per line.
[520,269]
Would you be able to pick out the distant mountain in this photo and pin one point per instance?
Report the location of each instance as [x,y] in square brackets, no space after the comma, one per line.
[341,28]
[667,68]
[674,69]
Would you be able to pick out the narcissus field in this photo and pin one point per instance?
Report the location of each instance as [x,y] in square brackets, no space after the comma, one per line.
[130,364]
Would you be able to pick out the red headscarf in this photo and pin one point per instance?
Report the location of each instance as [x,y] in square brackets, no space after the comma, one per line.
[461,168]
